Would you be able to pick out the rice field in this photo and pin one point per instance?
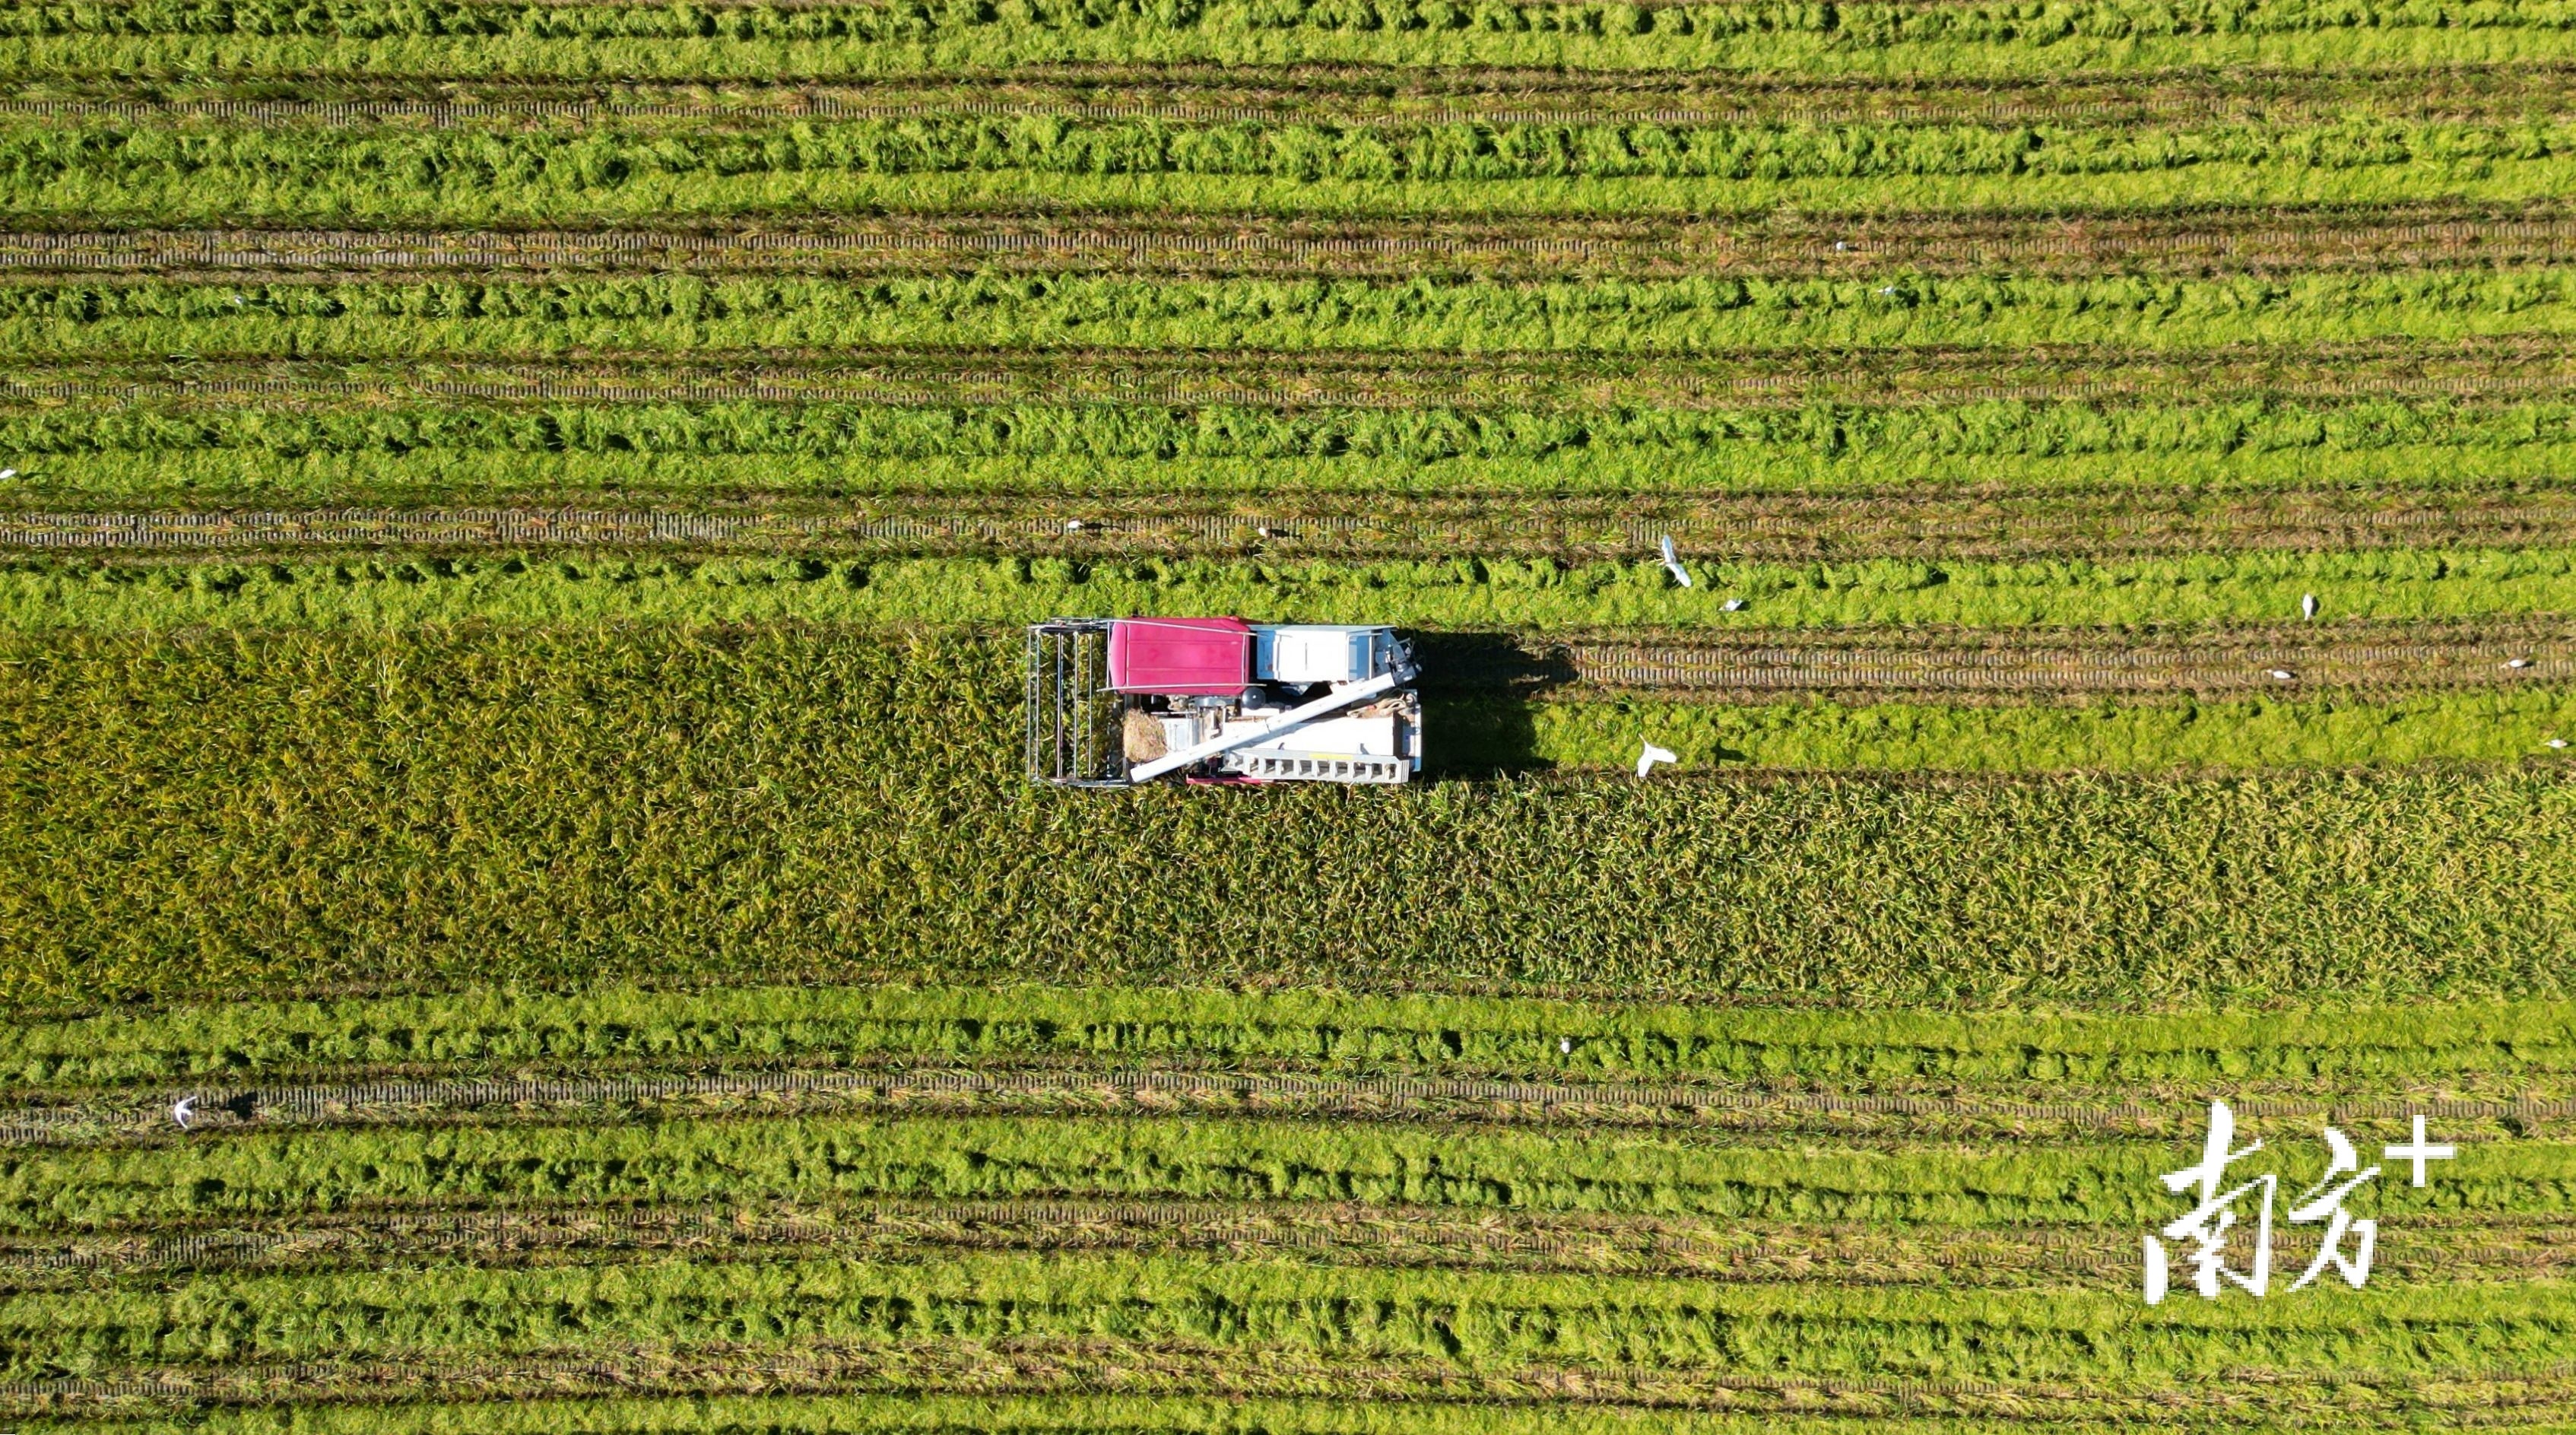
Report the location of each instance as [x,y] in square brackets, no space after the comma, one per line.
[520,908]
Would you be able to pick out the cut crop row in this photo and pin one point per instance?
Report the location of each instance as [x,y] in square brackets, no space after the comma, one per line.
[144,175]
[689,316]
[187,812]
[2488,1046]
[827,41]
[2422,1251]
[1466,1321]
[1400,99]
[1458,595]
[463,451]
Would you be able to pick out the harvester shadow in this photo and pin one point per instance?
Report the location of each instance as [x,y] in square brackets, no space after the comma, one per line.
[1480,692]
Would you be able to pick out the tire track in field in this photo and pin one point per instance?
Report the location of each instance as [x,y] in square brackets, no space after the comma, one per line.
[2497,1251]
[2266,241]
[2131,523]
[1091,1366]
[1751,667]
[147,1120]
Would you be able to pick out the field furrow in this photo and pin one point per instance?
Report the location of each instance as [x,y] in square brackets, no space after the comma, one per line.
[2394,239]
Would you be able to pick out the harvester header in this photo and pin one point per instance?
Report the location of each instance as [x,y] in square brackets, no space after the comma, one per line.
[1117,702]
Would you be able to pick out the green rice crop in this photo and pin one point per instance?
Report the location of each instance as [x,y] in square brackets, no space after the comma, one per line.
[145,452]
[2523,1044]
[1461,594]
[1460,1320]
[181,813]
[617,173]
[598,40]
[719,314]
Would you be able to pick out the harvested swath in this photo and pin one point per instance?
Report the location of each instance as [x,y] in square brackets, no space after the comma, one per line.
[2421,1250]
[2400,238]
[821,41]
[507,174]
[967,599]
[1385,1236]
[1328,525]
[1435,313]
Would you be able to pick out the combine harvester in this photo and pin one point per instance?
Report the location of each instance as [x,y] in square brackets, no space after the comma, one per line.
[1117,702]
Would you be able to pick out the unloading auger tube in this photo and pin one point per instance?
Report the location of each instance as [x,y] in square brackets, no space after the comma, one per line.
[1118,702]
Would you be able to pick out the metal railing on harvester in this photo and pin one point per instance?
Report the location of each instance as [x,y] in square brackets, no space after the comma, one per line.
[1074,733]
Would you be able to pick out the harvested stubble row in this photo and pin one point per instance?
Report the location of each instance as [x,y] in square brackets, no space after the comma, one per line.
[2427,1248]
[109,454]
[2395,238]
[1463,1167]
[1092,530]
[1439,1322]
[623,172]
[2474,591]
[184,810]
[821,41]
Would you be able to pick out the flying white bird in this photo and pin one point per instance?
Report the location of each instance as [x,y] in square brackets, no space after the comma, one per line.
[1673,563]
[2282,675]
[2518,662]
[183,1111]
[1646,760]
[1731,605]
[2308,606]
